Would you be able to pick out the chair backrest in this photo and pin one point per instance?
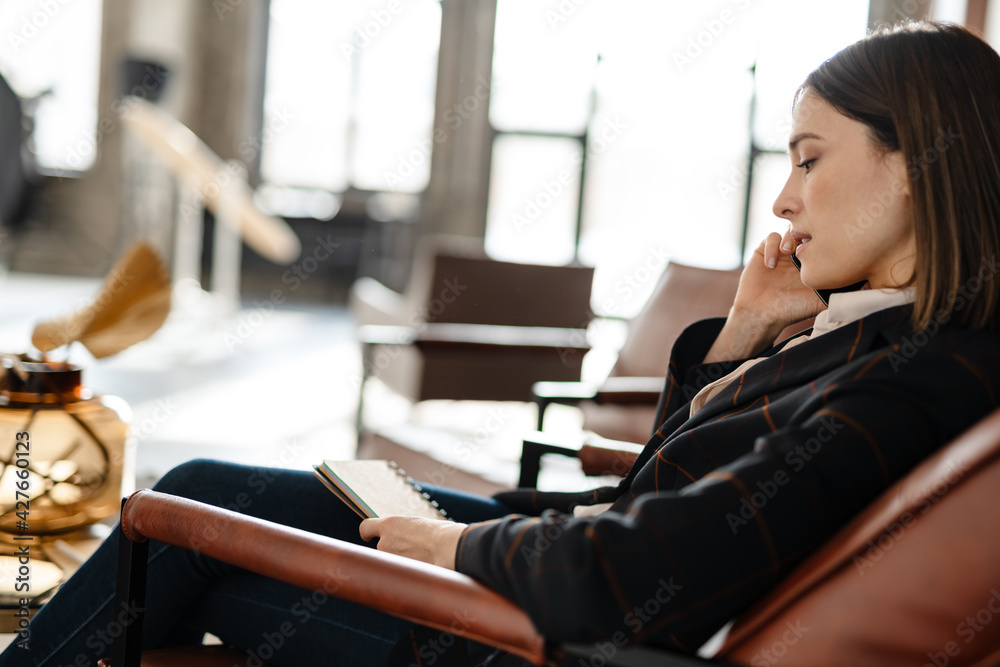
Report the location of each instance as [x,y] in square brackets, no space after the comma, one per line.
[914,579]
[683,294]
[458,283]
[13,181]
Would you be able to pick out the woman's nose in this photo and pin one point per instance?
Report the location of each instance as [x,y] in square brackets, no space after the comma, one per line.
[787,204]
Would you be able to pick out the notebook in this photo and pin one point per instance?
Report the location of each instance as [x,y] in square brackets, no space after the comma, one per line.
[376,489]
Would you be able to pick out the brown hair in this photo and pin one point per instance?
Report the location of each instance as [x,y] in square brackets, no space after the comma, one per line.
[930,91]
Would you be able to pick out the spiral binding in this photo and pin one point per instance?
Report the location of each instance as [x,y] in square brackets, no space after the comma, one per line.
[416,485]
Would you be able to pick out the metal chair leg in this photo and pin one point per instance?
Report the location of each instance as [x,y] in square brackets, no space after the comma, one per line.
[130,600]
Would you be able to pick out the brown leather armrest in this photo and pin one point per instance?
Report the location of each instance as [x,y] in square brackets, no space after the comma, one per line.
[626,390]
[451,335]
[604,456]
[603,461]
[404,588]
[619,390]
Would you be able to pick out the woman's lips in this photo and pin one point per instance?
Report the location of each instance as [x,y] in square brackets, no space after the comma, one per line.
[800,238]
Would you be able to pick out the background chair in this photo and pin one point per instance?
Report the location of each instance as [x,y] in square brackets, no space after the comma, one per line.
[624,406]
[621,411]
[472,328]
[927,591]
[18,172]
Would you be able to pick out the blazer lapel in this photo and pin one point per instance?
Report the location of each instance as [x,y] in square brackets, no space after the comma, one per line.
[796,366]
[787,368]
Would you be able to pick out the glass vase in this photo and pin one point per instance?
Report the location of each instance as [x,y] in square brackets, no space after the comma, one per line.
[62,451]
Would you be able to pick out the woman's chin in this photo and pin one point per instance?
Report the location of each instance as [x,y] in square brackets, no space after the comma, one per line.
[819,280]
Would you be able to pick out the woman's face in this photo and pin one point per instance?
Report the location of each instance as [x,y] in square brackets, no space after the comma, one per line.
[846,200]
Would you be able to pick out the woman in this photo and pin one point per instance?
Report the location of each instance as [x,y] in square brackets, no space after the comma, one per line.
[761,452]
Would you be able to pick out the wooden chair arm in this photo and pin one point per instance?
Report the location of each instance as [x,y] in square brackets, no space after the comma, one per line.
[454,334]
[566,393]
[374,304]
[601,456]
[626,390]
[598,456]
[617,390]
[533,448]
[408,589]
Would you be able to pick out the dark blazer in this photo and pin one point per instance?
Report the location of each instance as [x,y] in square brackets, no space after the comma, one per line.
[721,506]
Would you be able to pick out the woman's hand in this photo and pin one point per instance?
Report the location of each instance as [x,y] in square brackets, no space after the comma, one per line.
[770,297]
[427,540]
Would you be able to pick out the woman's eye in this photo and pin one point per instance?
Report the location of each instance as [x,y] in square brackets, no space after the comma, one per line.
[807,165]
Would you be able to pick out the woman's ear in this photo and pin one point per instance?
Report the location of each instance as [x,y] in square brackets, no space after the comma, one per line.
[898,172]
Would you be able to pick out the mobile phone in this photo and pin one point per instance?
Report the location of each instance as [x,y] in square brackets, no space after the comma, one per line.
[824,294]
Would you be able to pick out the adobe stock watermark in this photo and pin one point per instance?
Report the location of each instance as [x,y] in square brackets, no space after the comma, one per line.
[877,547]
[250,147]
[163,410]
[534,205]
[776,651]
[115,282]
[712,30]
[370,30]
[256,483]
[636,620]
[433,649]
[100,642]
[419,319]
[467,447]
[736,178]
[234,173]
[633,281]
[967,630]
[32,25]
[302,611]
[544,539]
[626,286]
[906,10]
[264,476]
[957,299]
[797,458]
[223,7]
[453,117]
[563,12]
[261,311]
[916,166]
[121,107]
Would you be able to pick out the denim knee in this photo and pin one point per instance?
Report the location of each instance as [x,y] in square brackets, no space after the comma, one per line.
[188,478]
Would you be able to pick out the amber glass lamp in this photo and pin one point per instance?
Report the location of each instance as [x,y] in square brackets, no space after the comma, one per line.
[62,450]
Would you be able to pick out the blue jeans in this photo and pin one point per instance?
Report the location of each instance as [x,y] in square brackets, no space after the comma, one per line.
[189,594]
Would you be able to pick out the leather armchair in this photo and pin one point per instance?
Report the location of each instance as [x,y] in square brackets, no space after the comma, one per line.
[623,407]
[912,580]
[472,328]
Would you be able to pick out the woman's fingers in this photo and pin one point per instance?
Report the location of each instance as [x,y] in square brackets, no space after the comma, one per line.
[776,245]
[370,529]
[787,242]
[427,540]
[772,249]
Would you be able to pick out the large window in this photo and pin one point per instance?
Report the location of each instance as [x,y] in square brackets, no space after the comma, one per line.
[349,94]
[540,114]
[669,132]
[52,50]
